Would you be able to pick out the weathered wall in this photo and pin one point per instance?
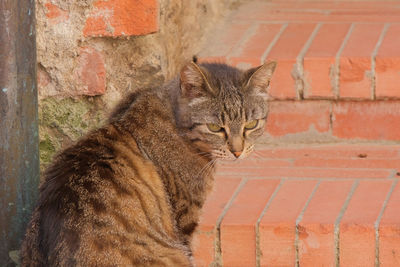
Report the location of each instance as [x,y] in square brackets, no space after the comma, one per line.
[93,52]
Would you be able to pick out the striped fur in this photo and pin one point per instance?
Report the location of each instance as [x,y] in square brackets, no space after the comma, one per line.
[130,193]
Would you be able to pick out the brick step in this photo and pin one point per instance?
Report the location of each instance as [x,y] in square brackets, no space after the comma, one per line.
[325,50]
[314,205]
[327,121]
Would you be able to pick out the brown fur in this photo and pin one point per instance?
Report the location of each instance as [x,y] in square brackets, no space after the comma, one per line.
[129,193]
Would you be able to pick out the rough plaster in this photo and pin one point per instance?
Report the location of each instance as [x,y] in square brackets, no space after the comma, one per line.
[131,62]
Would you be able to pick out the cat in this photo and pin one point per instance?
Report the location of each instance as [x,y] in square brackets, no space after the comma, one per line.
[130,192]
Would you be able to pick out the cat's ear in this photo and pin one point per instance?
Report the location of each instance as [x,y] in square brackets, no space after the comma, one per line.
[258,79]
[193,81]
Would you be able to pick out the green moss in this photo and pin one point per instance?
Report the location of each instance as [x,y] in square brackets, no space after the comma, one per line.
[47,149]
[63,121]
[70,117]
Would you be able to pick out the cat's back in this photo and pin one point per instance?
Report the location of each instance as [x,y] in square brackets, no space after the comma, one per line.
[102,203]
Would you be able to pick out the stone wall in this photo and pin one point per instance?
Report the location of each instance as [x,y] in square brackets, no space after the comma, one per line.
[93,52]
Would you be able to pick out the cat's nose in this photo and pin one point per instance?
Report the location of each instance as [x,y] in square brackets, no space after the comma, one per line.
[237,153]
[236,145]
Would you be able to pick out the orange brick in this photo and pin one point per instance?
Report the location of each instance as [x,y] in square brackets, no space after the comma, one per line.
[122,18]
[355,79]
[330,151]
[213,60]
[204,238]
[277,226]
[238,236]
[264,13]
[306,172]
[55,14]
[379,16]
[349,6]
[256,45]
[389,231]
[285,51]
[316,229]
[379,120]
[43,78]
[229,39]
[90,72]
[315,12]
[296,117]
[348,163]
[255,162]
[388,64]
[357,232]
[319,61]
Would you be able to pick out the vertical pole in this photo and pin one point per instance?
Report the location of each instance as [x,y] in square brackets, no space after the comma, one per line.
[19,150]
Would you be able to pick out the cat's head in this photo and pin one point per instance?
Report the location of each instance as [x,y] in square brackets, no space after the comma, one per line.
[222,109]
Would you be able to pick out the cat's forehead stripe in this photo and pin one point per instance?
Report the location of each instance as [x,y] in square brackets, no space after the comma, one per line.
[233,108]
[223,117]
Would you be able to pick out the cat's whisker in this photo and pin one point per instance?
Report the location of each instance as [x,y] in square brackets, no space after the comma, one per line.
[203,168]
[211,167]
[257,155]
[204,153]
[206,168]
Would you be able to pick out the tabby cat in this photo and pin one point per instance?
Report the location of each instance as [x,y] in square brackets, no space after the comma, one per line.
[130,193]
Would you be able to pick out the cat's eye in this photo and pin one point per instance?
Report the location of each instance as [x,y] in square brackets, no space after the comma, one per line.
[214,127]
[251,125]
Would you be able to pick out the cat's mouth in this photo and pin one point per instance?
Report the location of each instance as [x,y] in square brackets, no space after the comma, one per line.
[229,155]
